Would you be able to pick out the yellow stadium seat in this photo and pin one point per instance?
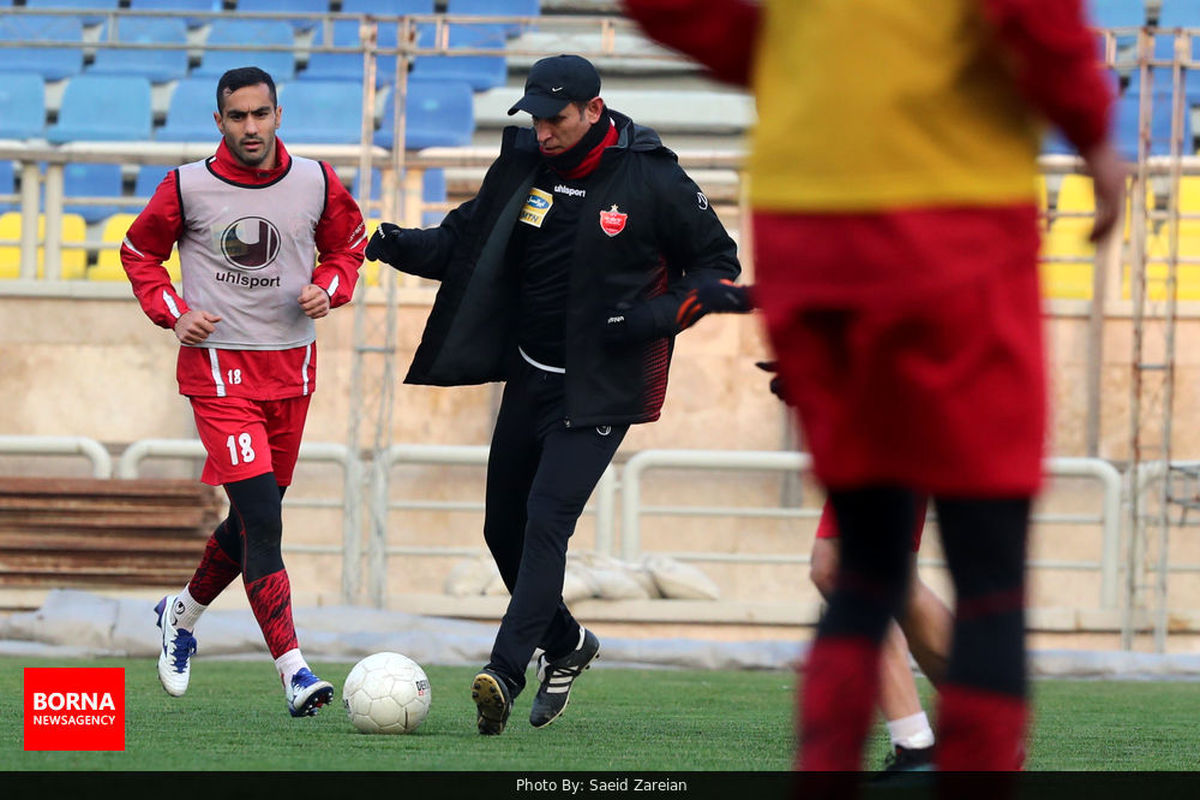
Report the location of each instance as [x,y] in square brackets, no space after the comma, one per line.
[1187,276]
[1043,202]
[1071,277]
[74,246]
[1075,194]
[370,272]
[108,265]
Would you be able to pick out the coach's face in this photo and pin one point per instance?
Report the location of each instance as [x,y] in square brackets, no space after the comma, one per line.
[248,121]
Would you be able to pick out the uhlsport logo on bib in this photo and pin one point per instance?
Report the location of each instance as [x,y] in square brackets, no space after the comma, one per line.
[74,708]
[250,243]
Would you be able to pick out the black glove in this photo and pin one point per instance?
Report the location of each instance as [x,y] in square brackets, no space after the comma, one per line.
[715,297]
[629,325]
[391,244]
[776,385]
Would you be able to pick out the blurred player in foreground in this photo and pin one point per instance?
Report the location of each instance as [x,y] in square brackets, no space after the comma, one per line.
[248,221]
[924,626]
[892,178]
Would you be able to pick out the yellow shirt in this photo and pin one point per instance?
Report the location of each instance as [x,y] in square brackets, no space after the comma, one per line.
[869,105]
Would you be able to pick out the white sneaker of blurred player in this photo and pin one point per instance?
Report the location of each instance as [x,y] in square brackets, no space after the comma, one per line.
[178,647]
[306,693]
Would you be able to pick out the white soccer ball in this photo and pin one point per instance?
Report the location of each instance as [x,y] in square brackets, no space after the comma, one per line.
[386,693]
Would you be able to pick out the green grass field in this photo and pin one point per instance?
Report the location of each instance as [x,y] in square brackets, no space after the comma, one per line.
[233,718]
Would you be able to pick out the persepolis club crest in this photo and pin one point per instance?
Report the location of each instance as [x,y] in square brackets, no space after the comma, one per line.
[612,221]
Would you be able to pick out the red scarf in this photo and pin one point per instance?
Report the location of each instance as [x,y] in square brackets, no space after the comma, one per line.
[591,159]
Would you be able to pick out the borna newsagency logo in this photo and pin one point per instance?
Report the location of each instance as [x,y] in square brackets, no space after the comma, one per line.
[74,708]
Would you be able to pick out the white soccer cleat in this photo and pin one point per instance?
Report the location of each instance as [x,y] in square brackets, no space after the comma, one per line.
[178,647]
[306,693]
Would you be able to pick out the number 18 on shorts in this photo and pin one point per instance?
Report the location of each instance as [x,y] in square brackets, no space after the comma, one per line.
[245,438]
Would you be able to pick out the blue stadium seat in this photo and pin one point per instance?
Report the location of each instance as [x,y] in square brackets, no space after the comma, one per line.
[437,114]
[52,63]
[1117,13]
[246,34]
[104,108]
[349,66]
[288,6]
[327,112]
[201,6]
[1127,128]
[149,176]
[387,8]
[1055,144]
[190,113]
[1179,14]
[91,180]
[1164,49]
[497,8]
[157,65]
[7,185]
[22,106]
[480,71]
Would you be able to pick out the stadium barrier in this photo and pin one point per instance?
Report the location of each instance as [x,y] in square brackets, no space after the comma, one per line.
[632,478]
[601,506]
[633,508]
[102,465]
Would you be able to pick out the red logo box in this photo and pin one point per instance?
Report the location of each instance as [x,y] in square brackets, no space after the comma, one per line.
[74,708]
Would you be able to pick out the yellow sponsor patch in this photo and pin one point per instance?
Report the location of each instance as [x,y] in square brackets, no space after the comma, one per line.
[537,205]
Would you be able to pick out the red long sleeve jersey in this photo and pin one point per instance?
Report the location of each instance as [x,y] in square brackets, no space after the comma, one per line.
[1052,50]
[259,372]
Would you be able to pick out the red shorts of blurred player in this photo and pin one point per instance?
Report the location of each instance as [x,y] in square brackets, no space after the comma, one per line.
[912,352]
[827,526]
[245,438]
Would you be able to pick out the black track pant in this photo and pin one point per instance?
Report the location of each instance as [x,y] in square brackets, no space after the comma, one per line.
[540,475]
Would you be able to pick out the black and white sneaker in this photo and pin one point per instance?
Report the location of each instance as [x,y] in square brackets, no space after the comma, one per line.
[493,701]
[557,676]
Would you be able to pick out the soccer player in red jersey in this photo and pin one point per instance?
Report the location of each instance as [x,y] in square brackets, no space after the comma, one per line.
[247,221]
[892,179]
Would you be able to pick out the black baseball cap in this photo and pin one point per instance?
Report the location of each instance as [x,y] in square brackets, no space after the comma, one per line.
[555,81]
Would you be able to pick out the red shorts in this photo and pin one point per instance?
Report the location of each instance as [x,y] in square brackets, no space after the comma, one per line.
[246,438]
[827,526]
[941,390]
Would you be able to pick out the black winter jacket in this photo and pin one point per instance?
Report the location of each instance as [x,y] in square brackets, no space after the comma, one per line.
[668,241]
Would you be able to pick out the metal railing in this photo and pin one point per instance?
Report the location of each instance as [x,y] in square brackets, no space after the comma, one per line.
[601,506]
[102,465]
[129,467]
[633,508]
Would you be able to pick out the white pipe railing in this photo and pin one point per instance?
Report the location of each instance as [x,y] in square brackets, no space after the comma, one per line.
[790,462]
[102,466]
[601,506]
[129,467]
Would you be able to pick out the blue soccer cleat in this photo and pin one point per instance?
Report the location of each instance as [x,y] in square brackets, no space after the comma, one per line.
[178,647]
[306,693]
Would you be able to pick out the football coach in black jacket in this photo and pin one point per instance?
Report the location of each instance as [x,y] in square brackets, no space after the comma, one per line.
[567,277]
